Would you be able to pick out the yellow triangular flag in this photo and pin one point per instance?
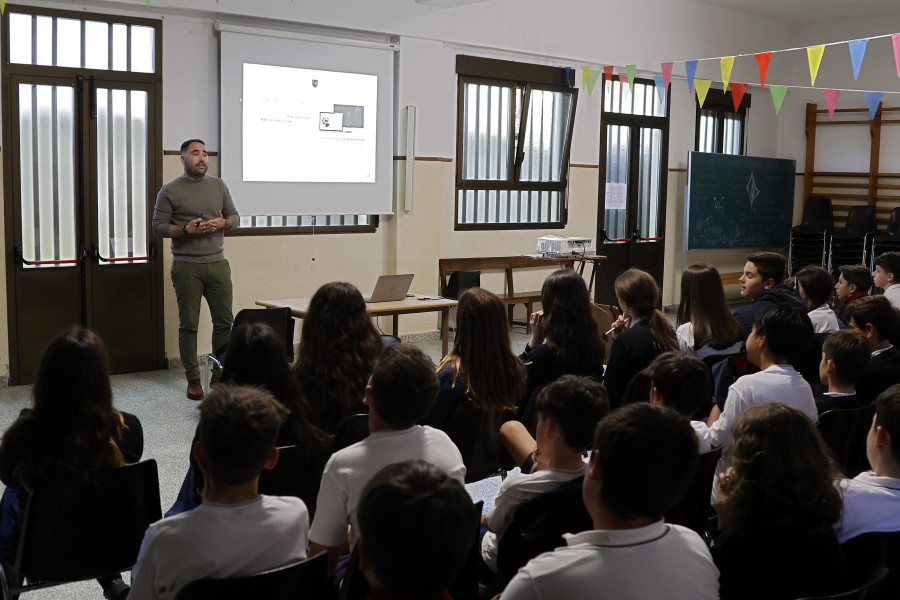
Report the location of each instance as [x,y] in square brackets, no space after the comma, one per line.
[702,87]
[727,65]
[2,6]
[585,73]
[814,53]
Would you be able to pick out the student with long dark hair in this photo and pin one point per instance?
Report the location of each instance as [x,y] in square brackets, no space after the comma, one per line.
[816,286]
[72,428]
[641,333]
[706,326]
[338,348]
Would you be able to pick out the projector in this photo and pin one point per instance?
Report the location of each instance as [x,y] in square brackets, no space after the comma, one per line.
[557,244]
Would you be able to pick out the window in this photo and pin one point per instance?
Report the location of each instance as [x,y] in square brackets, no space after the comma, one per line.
[292,224]
[720,128]
[514,133]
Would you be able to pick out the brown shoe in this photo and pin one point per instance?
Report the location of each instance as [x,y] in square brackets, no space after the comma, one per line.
[195,390]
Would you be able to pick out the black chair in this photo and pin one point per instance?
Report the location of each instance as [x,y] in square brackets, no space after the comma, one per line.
[305,579]
[872,579]
[844,431]
[693,510]
[810,239]
[889,241]
[352,429]
[476,433]
[298,473]
[871,550]
[853,244]
[77,528]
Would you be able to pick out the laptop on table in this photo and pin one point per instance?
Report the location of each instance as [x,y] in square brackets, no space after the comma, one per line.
[390,288]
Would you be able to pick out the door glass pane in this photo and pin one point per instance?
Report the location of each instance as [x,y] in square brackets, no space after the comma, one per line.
[120,47]
[618,144]
[707,140]
[143,50]
[732,137]
[641,99]
[547,126]
[649,172]
[44,41]
[47,174]
[96,45]
[68,43]
[20,38]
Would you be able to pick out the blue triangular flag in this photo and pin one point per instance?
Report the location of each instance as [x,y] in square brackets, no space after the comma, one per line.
[660,88]
[873,99]
[857,52]
[691,67]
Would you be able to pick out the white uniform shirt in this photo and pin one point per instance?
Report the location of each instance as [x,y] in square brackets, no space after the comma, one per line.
[685,335]
[870,504]
[704,439]
[892,293]
[823,320]
[656,561]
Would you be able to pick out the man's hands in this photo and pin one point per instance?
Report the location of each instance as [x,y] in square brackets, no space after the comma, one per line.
[212,225]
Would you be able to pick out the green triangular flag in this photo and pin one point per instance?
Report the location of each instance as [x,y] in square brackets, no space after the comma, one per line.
[778,92]
[593,76]
[630,69]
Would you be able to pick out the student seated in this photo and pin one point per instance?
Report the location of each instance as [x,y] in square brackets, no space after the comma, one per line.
[762,282]
[683,383]
[815,286]
[872,498]
[878,321]
[641,464]
[854,283]
[845,356]
[416,529]
[706,326]
[568,410]
[887,276]
[401,391]
[776,508]
[235,531]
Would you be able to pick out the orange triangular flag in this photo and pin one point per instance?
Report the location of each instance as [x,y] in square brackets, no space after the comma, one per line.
[608,72]
[763,58]
[737,94]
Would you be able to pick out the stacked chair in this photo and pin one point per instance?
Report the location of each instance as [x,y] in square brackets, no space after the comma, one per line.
[890,240]
[853,245]
[810,240]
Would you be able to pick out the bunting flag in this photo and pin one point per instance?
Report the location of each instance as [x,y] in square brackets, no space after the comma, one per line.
[623,78]
[702,86]
[690,68]
[873,99]
[608,72]
[831,98]
[763,58]
[814,54]
[896,39]
[631,70]
[667,73]
[857,52]
[778,92]
[585,75]
[660,88]
[3,5]
[737,94]
[593,76]
[727,65]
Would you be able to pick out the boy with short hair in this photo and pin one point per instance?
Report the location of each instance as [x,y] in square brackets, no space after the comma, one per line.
[845,355]
[878,321]
[401,391]
[236,531]
[568,410]
[416,529]
[643,460]
[682,382]
[871,499]
[854,283]
[763,282]
[887,276]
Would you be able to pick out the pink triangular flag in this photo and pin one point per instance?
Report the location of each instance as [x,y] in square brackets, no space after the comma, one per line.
[667,73]
[763,58]
[896,39]
[623,77]
[737,94]
[831,98]
[608,73]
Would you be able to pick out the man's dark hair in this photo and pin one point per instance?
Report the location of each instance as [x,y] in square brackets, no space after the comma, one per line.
[787,329]
[770,265]
[683,381]
[817,284]
[576,404]
[876,311]
[647,457]
[185,145]
[889,263]
[850,352]
[858,275]
[887,415]
[417,525]
[404,385]
[237,431]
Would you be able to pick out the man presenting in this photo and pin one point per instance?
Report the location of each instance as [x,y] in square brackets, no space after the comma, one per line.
[195,210]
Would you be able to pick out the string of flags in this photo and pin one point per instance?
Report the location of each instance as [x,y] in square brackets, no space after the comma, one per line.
[700,87]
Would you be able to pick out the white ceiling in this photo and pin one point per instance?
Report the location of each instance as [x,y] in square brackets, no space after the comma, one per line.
[801,12]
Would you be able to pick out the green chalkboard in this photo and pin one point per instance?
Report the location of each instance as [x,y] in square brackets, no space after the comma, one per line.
[738,201]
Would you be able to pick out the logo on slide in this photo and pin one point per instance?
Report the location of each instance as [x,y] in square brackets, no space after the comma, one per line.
[315,82]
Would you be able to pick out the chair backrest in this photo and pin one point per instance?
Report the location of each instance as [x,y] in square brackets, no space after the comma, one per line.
[460,281]
[817,212]
[78,527]
[875,550]
[693,509]
[872,579]
[352,429]
[604,316]
[477,435]
[861,220]
[279,319]
[297,473]
[306,579]
[893,226]
[844,431]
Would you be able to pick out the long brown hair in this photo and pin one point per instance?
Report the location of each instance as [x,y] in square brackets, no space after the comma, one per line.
[568,323]
[703,305]
[639,291]
[338,348]
[73,426]
[783,473]
[481,352]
